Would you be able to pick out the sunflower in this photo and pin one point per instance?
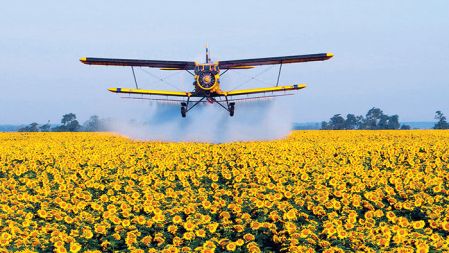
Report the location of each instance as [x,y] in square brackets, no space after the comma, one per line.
[68,219]
[177,219]
[206,204]
[189,226]
[188,236]
[6,236]
[212,227]
[255,225]
[419,224]
[249,237]
[140,220]
[214,177]
[116,236]
[172,229]
[100,229]
[42,213]
[231,246]
[445,225]
[239,228]
[177,241]
[59,244]
[290,215]
[253,248]
[87,233]
[104,198]
[200,233]
[422,247]
[126,223]
[305,233]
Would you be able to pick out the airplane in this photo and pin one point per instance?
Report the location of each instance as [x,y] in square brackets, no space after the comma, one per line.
[207,79]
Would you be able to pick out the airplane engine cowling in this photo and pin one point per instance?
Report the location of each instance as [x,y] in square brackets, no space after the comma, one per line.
[206,80]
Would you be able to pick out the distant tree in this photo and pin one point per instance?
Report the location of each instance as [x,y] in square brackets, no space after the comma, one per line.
[73,126]
[360,122]
[69,124]
[46,127]
[382,122]
[373,118]
[58,129]
[324,125]
[68,118]
[393,122]
[405,127]
[93,124]
[337,122]
[33,127]
[442,122]
[351,122]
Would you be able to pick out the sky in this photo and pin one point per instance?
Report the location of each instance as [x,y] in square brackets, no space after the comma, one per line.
[388,54]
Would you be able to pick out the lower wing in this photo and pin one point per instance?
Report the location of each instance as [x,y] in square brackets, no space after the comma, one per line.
[224,96]
[151,92]
[264,90]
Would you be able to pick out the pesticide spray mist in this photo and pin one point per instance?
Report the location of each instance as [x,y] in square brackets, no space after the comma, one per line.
[257,120]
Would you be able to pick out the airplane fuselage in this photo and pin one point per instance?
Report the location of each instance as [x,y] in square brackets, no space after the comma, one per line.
[207,79]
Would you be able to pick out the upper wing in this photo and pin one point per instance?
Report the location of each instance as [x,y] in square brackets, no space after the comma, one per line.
[274,60]
[263,90]
[151,92]
[174,65]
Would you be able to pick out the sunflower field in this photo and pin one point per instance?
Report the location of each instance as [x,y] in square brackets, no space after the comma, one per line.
[314,191]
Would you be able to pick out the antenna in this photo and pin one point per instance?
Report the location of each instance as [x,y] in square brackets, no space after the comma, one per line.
[207,54]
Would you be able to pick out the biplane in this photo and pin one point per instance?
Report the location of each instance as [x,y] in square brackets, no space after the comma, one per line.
[206,85]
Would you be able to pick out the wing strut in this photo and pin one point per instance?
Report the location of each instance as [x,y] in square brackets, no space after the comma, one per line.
[279,74]
[191,107]
[134,75]
[224,72]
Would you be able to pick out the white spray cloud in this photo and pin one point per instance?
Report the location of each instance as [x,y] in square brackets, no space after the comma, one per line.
[257,120]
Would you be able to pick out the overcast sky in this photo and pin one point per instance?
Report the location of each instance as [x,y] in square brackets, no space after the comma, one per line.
[388,54]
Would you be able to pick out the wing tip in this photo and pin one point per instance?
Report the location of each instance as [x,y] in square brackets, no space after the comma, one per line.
[298,86]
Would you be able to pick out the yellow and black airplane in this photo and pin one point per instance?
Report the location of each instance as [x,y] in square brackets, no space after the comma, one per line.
[207,79]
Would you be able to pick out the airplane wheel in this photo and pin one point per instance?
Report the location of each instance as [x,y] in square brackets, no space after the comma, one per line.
[231,109]
[183,111]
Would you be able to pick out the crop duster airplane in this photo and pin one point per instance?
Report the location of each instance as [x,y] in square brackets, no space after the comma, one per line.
[207,79]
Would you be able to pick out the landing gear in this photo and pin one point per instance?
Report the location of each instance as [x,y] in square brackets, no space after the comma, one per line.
[183,109]
[231,109]
[185,106]
[229,106]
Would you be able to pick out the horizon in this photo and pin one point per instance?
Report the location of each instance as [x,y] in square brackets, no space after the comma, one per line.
[81,121]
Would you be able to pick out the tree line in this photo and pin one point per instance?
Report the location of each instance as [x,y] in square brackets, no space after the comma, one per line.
[375,119]
[69,123]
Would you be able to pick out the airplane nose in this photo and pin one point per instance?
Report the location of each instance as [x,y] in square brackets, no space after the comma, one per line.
[207,78]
